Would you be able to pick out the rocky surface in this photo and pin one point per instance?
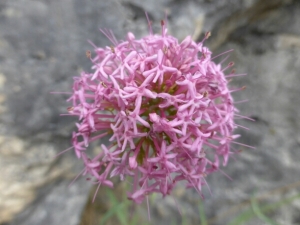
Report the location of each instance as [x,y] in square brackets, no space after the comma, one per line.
[42,46]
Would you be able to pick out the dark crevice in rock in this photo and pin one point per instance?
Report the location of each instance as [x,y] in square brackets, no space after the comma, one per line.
[137,11]
[242,18]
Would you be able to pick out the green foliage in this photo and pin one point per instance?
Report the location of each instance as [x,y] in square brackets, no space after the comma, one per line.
[202,214]
[255,209]
[258,211]
[120,211]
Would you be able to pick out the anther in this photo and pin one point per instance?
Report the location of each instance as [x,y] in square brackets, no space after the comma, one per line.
[88,54]
[207,34]
[112,48]
[231,64]
[103,84]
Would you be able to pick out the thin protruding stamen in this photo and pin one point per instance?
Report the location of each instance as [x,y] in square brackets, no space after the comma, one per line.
[223,53]
[58,92]
[231,64]
[92,44]
[207,186]
[244,117]
[241,126]
[108,33]
[178,207]
[238,89]
[76,177]
[206,36]
[236,75]
[224,60]
[149,24]
[95,194]
[64,151]
[248,146]
[162,23]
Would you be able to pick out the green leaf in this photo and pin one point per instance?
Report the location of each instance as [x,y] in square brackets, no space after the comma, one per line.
[249,214]
[110,213]
[117,209]
[202,214]
[259,213]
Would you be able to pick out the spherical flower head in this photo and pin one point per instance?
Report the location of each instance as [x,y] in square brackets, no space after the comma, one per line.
[165,107]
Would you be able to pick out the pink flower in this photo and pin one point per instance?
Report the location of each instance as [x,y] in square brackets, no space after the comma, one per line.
[165,107]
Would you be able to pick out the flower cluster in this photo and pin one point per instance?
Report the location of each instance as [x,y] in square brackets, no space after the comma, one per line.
[165,107]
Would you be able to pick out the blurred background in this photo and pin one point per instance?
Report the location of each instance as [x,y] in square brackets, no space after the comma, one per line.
[43,45]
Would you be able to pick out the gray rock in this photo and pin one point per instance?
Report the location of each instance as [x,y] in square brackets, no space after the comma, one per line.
[56,204]
[42,46]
